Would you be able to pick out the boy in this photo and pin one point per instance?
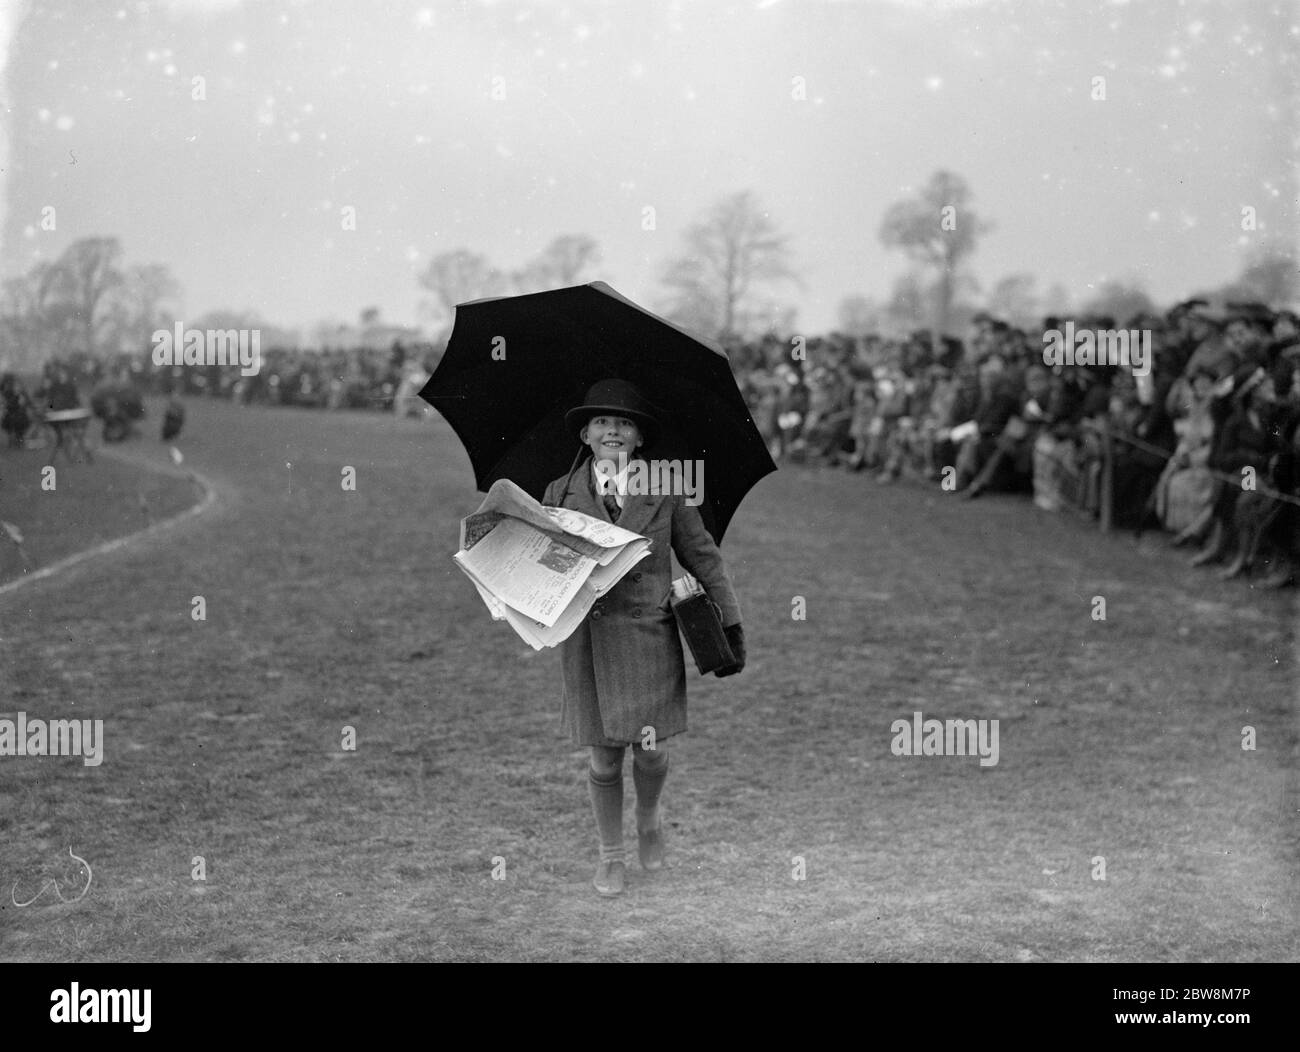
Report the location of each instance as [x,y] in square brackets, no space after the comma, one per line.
[624,675]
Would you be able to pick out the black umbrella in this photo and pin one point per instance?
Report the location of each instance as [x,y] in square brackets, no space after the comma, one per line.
[515,364]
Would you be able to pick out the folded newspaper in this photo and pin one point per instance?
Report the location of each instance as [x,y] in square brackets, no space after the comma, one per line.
[540,569]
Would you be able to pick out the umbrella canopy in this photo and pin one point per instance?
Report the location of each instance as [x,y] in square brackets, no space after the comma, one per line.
[514,365]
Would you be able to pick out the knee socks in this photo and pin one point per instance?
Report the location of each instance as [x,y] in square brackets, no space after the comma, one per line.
[649,770]
[607,804]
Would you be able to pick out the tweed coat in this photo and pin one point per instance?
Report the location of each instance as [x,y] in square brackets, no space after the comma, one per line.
[623,666]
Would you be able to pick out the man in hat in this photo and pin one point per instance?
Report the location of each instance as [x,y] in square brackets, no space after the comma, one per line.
[953,352]
[1194,338]
[624,674]
[1248,332]
[1243,441]
[1286,328]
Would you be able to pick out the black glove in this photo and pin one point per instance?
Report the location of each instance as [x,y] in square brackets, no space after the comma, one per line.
[736,640]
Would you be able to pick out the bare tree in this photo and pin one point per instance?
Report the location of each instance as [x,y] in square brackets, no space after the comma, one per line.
[906,307]
[731,257]
[34,319]
[22,336]
[85,302]
[20,313]
[85,280]
[693,305]
[457,276]
[561,264]
[154,296]
[1014,298]
[937,229]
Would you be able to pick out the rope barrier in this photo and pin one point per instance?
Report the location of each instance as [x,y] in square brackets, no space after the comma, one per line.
[1223,476]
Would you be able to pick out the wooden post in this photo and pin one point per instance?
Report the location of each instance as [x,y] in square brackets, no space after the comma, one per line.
[1105,499]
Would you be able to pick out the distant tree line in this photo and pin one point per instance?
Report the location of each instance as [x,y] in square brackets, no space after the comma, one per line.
[85,302]
[732,280]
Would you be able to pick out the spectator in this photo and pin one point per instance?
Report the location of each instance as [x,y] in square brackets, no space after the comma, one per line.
[1253,449]
[1184,493]
[998,403]
[1012,459]
[60,389]
[118,403]
[15,410]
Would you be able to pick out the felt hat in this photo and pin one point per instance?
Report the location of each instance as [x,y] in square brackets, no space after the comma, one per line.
[615,398]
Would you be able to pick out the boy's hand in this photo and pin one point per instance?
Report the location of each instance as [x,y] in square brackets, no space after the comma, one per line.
[736,640]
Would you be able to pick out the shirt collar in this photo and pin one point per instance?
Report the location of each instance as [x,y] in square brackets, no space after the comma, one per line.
[615,482]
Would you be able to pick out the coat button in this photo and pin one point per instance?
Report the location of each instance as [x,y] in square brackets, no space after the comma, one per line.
[636,577]
[636,612]
[595,613]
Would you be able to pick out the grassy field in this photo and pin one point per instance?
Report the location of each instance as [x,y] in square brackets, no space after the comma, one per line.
[328,609]
[82,505]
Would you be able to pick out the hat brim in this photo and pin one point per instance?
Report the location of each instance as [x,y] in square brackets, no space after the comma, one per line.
[576,419]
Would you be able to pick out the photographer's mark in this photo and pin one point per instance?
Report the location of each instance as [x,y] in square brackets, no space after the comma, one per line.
[682,478]
[75,1005]
[182,346]
[24,737]
[1127,347]
[933,737]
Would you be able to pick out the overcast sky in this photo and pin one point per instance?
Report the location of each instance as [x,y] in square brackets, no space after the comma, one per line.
[387,107]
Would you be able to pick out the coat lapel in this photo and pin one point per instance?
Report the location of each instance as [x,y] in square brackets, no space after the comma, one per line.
[583,489]
[638,508]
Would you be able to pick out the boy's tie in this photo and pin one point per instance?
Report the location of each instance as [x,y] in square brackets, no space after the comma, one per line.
[611,506]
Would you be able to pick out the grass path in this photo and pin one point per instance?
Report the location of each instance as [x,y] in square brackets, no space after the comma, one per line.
[82,506]
[327,608]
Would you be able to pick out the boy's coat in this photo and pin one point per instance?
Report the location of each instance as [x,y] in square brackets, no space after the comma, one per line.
[623,666]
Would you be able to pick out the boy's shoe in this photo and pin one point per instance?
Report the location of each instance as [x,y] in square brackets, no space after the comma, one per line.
[609,878]
[650,846]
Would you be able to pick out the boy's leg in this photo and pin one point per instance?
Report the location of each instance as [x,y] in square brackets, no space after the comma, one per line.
[649,771]
[605,786]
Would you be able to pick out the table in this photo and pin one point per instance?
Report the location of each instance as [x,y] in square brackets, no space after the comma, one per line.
[69,426]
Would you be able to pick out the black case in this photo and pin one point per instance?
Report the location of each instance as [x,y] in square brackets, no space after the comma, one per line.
[700,621]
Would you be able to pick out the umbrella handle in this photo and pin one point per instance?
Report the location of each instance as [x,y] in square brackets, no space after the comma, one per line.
[568,482]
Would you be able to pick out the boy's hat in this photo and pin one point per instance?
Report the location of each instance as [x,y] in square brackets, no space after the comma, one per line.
[615,398]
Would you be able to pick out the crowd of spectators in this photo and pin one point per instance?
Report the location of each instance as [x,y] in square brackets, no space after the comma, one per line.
[358,378]
[1201,440]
